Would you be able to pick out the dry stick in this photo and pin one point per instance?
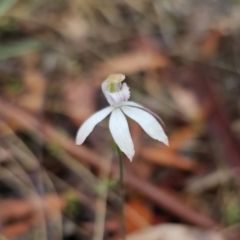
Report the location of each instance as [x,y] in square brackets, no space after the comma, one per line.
[25,160]
[157,195]
[101,203]
[35,201]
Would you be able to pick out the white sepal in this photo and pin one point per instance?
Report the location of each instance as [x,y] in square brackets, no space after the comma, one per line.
[120,131]
[90,123]
[149,124]
[133,104]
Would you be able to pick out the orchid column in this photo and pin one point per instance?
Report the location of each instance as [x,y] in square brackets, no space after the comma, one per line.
[117,95]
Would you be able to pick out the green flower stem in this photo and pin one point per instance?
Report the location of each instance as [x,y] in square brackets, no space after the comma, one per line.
[122,193]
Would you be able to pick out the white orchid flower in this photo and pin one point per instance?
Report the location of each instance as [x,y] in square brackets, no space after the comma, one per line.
[117,95]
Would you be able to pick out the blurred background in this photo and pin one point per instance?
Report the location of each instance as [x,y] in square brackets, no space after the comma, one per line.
[181,60]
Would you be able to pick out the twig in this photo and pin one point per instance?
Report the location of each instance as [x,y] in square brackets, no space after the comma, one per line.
[101,203]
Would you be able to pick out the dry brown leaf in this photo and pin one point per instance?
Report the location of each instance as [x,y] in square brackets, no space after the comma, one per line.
[16,229]
[132,62]
[29,211]
[133,222]
[175,232]
[79,100]
[73,27]
[34,84]
[210,44]
[167,157]
[33,98]
[186,101]
[142,169]
[180,137]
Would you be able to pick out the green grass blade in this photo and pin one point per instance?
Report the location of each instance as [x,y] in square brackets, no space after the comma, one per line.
[18,48]
[5,5]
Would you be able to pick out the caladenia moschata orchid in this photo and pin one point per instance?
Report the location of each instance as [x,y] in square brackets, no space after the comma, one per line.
[117,95]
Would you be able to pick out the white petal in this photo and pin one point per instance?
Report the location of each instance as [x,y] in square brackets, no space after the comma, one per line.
[149,124]
[120,131]
[90,123]
[133,104]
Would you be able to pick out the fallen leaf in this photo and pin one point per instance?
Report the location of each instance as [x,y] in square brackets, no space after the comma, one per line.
[133,62]
[34,83]
[175,232]
[167,157]
[28,211]
[133,221]
[79,100]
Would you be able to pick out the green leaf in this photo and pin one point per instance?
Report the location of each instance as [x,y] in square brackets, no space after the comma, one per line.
[18,48]
[5,5]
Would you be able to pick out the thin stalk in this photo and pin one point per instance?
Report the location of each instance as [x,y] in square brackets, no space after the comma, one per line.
[122,194]
[101,203]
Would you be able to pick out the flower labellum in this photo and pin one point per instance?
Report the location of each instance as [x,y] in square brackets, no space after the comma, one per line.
[117,95]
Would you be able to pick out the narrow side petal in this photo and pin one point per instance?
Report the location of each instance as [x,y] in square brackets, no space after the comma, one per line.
[90,123]
[120,131]
[149,124]
[133,104]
